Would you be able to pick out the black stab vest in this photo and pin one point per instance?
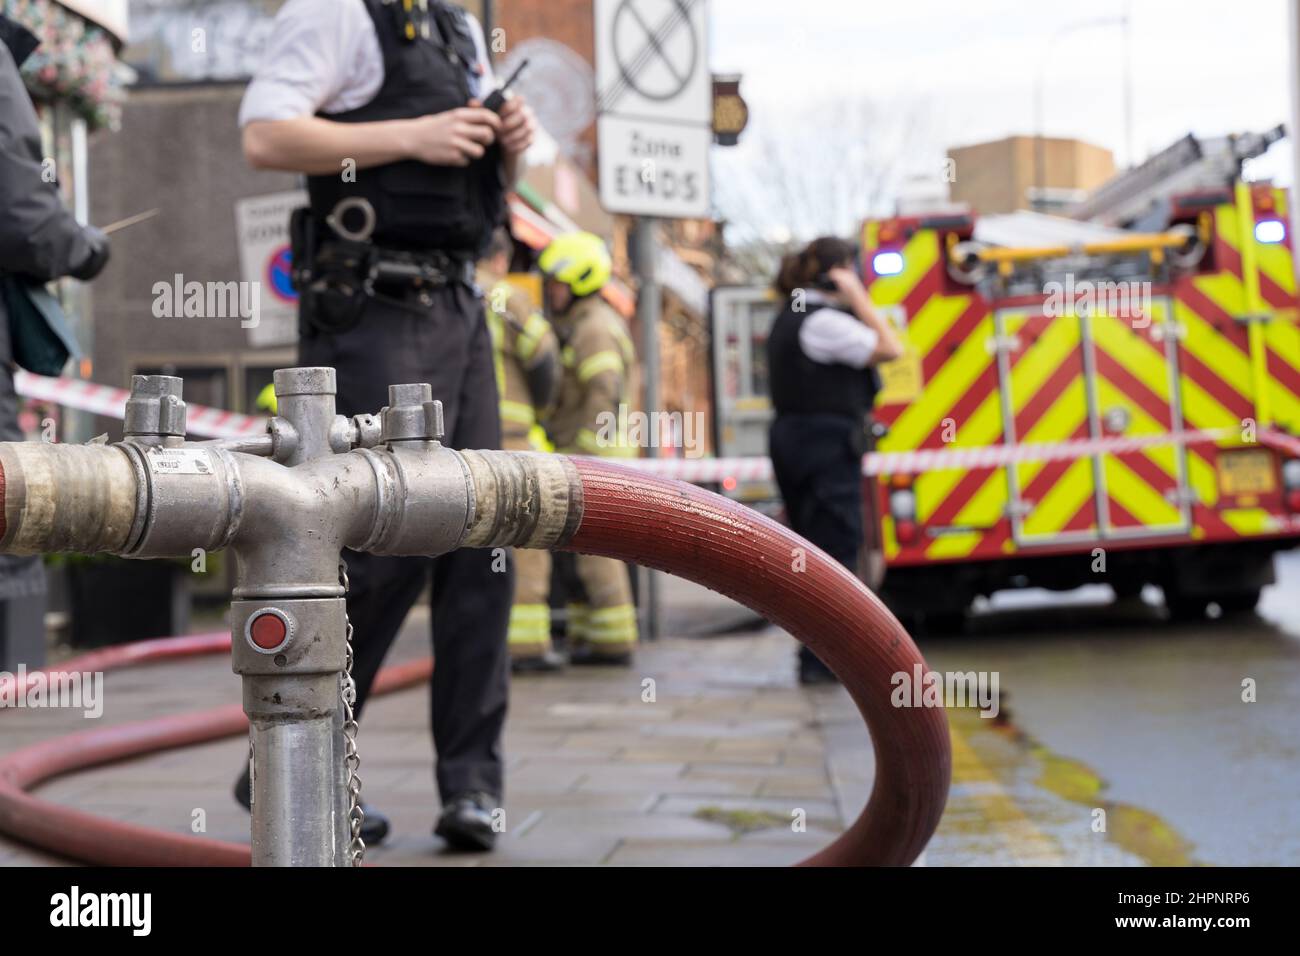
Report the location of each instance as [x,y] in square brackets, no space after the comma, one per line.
[418,206]
[801,386]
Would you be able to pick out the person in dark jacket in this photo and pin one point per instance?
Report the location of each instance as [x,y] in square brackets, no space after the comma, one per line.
[820,354]
[40,241]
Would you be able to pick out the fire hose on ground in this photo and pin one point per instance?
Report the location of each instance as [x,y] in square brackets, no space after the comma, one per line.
[386,484]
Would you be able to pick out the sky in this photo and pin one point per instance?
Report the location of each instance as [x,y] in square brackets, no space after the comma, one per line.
[968,71]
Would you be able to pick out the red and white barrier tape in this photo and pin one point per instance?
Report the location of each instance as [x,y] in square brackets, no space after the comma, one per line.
[105,400]
[216,423]
[964,459]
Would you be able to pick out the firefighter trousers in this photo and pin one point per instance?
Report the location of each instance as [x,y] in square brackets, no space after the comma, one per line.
[530,613]
[447,345]
[605,623]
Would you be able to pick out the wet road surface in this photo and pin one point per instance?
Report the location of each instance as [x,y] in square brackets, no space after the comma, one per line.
[1122,738]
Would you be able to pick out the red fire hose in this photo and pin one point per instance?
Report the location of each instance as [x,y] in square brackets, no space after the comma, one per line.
[624,514]
[92,839]
[734,550]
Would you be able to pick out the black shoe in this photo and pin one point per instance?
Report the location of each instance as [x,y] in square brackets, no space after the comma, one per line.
[374,828]
[466,822]
[587,656]
[813,671]
[546,663]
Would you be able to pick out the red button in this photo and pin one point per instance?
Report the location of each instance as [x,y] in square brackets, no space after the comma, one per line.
[268,631]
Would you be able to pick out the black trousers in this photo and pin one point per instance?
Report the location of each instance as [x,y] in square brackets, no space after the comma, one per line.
[817,460]
[446,345]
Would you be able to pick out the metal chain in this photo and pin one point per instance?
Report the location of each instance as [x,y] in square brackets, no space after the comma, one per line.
[351,760]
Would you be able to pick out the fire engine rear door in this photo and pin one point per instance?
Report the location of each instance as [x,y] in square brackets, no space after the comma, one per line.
[1134,391]
[1045,399]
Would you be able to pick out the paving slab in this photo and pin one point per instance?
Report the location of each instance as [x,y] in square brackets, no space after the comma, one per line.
[705,773]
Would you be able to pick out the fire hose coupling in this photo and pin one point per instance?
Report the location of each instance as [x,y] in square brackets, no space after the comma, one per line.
[66,498]
[522,499]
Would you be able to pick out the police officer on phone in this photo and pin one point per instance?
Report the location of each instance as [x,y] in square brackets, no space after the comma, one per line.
[377,102]
[820,354]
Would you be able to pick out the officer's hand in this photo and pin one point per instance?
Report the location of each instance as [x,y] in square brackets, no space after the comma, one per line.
[96,259]
[847,284]
[518,126]
[454,137]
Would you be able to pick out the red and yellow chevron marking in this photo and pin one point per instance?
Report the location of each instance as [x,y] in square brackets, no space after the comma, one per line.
[958,406]
[1133,381]
[1281,337]
[1049,402]
[1233,370]
[1229,370]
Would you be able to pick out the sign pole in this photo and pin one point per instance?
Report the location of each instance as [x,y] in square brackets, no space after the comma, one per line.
[645,251]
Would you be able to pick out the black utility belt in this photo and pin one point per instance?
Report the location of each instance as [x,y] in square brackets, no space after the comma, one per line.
[389,270]
[343,275]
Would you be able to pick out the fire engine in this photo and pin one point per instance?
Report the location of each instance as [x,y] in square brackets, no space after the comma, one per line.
[1165,361]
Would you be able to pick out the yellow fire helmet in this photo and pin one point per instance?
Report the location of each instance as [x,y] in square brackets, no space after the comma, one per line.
[266,401]
[579,260]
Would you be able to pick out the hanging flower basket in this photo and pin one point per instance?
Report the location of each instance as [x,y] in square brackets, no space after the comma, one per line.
[75,62]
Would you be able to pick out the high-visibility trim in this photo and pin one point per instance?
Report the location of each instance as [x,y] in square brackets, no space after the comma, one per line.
[621,629]
[535,329]
[530,612]
[588,443]
[576,619]
[497,331]
[593,365]
[530,624]
[615,612]
[539,440]
[519,413]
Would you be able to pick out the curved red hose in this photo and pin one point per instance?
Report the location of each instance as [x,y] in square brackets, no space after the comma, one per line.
[656,522]
[92,839]
[136,652]
[676,527]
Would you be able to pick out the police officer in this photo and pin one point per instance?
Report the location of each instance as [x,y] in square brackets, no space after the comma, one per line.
[40,240]
[377,103]
[598,359]
[527,358]
[820,354]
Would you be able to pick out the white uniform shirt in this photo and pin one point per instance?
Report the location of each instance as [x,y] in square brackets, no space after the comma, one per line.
[834,337]
[325,55]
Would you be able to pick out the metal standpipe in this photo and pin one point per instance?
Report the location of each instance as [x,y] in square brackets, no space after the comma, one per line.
[288,502]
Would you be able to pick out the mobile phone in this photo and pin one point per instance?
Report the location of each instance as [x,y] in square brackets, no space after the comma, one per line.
[497,98]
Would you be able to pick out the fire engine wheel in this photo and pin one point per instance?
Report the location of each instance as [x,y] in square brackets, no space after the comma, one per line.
[1238,602]
[1185,607]
[1193,607]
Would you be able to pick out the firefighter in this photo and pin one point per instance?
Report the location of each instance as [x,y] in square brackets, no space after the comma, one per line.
[377,103]
[527,360]
[598,357]
[820,354]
